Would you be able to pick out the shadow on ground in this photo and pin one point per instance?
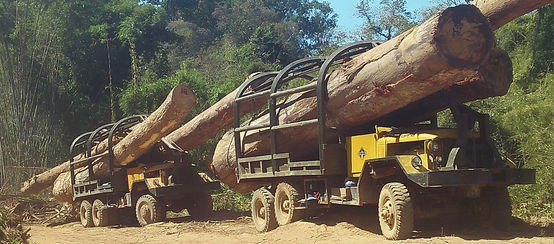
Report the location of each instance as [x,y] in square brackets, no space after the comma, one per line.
[366,219]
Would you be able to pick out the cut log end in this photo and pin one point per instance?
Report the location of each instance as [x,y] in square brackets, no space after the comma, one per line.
[463,36]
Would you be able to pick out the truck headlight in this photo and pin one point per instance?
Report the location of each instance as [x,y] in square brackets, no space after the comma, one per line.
[417,162]
[433,146]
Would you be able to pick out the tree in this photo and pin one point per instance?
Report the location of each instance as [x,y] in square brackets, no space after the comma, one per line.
[385,20]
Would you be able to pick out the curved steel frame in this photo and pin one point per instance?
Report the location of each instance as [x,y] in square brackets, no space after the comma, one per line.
[86,140]
[337,57]
[297,69]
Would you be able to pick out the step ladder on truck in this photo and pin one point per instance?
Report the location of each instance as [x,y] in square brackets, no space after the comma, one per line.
[162,179]
[409,172]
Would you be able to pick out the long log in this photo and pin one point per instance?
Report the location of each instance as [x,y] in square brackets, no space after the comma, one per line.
[160,123]
[492,79]
[500,12]
[424,60]
[39,182]
[212,120]
[142,137]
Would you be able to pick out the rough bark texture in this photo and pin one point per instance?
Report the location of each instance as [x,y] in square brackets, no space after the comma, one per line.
[422,61]
[211,121]
[161,122]
[491,80]
[500,12]
[164,120]
[39,182]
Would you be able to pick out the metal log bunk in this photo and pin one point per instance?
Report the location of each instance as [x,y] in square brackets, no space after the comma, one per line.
[274,84]
[83,145]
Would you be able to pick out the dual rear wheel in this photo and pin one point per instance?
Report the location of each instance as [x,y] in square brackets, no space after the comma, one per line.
[269,211]
[95,214]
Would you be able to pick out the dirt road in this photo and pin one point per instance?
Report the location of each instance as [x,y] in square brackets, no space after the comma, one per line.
[339,226]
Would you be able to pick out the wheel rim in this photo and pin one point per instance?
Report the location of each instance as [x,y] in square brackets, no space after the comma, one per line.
[387,213]
[83,215]
[96,213]
[145,213]
[260,211]
[284,203]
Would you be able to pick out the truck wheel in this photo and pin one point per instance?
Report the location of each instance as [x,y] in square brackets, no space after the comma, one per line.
[201,206]
[396,213]
[149,210]
[262,210]
[286,197]
[85,214]
[496,210]
[100,214]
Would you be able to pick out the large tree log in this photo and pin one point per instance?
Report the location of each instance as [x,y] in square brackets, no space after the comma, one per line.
[166,118]
[143,136]
[422,61]
[491,80]
[500,12]
[212,120]
[39,182]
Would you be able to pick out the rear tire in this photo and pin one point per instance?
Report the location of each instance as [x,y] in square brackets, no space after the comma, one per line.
[286,197]
[262,210]
[396,213]
[85,214]
[202,205]
[149,210]
[100,214]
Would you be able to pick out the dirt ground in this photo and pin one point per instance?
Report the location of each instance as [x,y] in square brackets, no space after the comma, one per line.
[341,225]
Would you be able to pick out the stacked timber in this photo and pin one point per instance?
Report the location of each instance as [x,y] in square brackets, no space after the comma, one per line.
[447,59]
[139,140]
[451,54]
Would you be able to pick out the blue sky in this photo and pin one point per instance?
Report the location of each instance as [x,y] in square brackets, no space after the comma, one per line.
[346,11]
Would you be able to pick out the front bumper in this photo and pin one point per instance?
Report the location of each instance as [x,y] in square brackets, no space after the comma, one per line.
[467,177]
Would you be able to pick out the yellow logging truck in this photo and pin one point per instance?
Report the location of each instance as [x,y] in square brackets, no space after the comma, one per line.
[411,172]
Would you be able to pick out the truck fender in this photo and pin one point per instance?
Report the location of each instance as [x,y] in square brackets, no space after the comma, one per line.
[369,184]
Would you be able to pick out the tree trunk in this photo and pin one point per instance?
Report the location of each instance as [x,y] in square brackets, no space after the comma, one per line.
[161,122]
[143,136]
[211,121]
[39,182]
[500,12]
[422,61]
[491,80]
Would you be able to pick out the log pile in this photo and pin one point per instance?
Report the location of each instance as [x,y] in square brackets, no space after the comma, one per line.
[452,57]
[140,139]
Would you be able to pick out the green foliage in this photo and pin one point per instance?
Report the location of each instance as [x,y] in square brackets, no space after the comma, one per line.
[11,231]
[523,120]
[227,199]
[386,20]
[151,91]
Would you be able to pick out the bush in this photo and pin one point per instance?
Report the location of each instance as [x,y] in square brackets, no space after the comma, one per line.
[227,199]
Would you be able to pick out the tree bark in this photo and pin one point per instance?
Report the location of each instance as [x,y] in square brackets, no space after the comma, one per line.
[39,182]
[500,12]
[143,136]
[491,80]
[422,61]
[213,120]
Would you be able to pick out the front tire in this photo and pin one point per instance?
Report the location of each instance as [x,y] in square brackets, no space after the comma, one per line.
[149,210]
[85,214]
[99,213]
[396,213]
[262,210]
[286,197]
